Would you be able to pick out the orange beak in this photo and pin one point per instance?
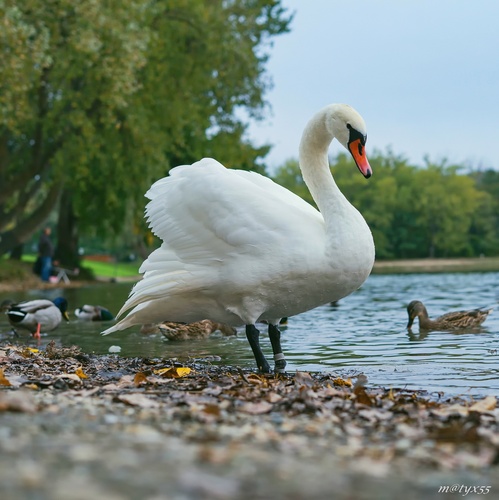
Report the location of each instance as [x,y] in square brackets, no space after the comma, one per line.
[359,155]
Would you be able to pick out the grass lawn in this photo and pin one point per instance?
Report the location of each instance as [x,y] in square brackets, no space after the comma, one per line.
[112,269]
[12,269]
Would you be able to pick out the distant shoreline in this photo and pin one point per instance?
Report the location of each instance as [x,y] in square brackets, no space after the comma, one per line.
[463,265]
[25,280]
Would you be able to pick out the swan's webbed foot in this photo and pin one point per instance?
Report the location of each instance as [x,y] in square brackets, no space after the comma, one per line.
[275,340]
[253,336]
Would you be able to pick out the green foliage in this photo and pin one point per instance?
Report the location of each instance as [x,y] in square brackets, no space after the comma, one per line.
[417,212]
[99,99]
[289,176]
[112,269]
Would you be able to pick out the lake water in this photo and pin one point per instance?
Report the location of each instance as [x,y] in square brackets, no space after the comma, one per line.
[363,333]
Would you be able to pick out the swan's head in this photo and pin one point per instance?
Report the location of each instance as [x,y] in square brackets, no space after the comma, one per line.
[350,130]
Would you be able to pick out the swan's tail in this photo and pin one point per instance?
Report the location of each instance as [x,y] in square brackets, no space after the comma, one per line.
[133,318]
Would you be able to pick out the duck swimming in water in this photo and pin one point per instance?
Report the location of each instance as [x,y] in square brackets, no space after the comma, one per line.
[451,321]
[93,313]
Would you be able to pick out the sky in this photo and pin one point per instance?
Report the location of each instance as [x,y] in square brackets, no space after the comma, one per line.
[424,74]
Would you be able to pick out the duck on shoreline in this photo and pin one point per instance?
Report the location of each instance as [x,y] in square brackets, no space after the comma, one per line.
[36,315]
[182,331]
[456,320]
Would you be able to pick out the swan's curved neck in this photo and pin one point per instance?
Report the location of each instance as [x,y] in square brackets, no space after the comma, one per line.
[314,164]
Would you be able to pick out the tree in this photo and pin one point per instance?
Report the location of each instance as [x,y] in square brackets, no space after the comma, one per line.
[416,212]
[484,231]
[289,176]
[109,95]
[445,204]
[62,89]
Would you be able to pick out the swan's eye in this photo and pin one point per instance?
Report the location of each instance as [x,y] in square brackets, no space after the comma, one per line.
[355,135]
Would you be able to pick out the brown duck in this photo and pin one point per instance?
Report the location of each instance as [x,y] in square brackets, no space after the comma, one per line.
[182,331]
[451,321]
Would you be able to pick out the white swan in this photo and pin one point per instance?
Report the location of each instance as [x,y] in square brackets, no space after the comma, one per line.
[238,248]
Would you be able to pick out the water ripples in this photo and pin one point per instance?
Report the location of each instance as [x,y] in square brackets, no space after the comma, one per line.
[365,332]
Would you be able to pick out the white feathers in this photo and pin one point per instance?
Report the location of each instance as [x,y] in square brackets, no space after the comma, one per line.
[238,248]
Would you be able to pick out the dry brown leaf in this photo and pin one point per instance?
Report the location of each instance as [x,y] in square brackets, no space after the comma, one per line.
[447,411]
[3,380]
[89,392]
[212,409]
[362,396]
[79,373]
[33,387]
[304,378]
[391,394]
[342,382]
[17,401]
[139,378]
[27,352]
[173,372]
[329,392]
[255,379]
[138,400]
[256,408]
[69,376]
[273,397]
[484,405]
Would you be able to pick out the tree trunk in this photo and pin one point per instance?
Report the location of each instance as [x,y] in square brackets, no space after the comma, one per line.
[25,228]
[17,252]
[66,251]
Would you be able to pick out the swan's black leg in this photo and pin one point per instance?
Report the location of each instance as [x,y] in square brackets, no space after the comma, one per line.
[275,340]
[252,334]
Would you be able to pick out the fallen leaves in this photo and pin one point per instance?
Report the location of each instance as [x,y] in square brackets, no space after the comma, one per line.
[173,372]
[19,401]
[484,405]
[138,400]
[212,403]
[79,372]
[257,408]
[139,378]
[341,382]
[3,379]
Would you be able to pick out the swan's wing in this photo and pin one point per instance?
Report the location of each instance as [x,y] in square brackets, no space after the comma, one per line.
[208,215]
[228,207]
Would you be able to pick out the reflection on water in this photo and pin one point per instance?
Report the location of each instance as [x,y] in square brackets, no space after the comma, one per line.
[364,332]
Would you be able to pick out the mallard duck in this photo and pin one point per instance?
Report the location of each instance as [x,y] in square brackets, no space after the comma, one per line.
[38,315]
[239,248]
[451,321]
[4,306]
[93,313]
[182,331]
